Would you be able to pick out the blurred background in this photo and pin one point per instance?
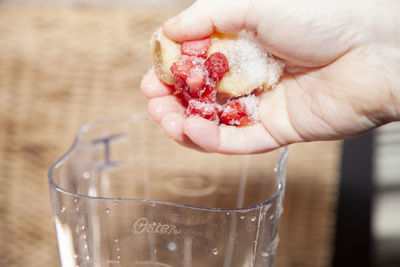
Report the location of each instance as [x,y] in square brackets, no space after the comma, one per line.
[66,62]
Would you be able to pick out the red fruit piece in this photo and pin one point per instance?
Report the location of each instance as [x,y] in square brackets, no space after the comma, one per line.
[208,111]
[182,98]
[190,75]
[196,80]
[217,65]
[209,95]
[187,97]
[180,85]
[234,113]
[181,69]
[196,48]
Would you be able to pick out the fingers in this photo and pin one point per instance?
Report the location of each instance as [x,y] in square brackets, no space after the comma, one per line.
[158,107]
[198,133]
[228,139]
[201,134]
[151,86]
[194,18]
[165,109]
[172,125]
[206,16]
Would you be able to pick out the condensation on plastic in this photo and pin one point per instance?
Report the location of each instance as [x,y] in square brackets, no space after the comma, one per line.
[127,195]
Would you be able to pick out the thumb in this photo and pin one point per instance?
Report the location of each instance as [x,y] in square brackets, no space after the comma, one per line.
[206,16]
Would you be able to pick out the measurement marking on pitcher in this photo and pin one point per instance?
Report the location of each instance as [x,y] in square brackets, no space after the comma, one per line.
[143,225]
[107,163]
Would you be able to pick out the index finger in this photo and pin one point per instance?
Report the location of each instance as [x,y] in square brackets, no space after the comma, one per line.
[205,17]
[151,86]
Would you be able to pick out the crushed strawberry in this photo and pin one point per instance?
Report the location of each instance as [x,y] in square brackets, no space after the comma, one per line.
[208,111]
[217,65]
[195,85]
[181,69]
[180,85]
[196,48]
[234,113]
[181,97]
[196,80]
[209,95]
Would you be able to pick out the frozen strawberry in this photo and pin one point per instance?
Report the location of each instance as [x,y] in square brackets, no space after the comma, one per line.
[187,97]
[217,65]
[234,113]
[180,96]
[208,111]
[195,85]
[209,94]
[181,68]
[196,48]
[196,80]
[180,85]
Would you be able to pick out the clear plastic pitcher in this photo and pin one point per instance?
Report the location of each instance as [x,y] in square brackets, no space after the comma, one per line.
[127,195]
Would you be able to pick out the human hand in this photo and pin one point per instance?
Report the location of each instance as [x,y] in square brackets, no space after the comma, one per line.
[342,71]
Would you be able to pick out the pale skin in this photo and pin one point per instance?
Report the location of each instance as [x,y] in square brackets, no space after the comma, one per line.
[342,76]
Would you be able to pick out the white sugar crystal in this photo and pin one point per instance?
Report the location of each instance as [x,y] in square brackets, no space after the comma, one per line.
[251,103]
[248,60]
[195,60]
[203,106]
[273,67]
[234,122]
[250,63]
[206,107]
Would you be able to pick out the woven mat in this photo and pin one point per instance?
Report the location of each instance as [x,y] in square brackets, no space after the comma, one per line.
[61,67]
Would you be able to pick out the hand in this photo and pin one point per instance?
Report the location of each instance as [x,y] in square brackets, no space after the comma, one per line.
[342,71]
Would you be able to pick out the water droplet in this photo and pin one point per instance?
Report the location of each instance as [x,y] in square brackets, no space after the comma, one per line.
[107,210]
[117,249]
[116,240]
[86,175]
[82,228]
[84,236]
[153,204]
[115,203]
[275,169]
[85,246]
[264,254]
[271,217]
[118,257]
[253,219]
[242,217]
[214,251]
[76,200]
[228,213]
[63,209]
[171,246]
[87,258]
[76,209]
[75,256]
